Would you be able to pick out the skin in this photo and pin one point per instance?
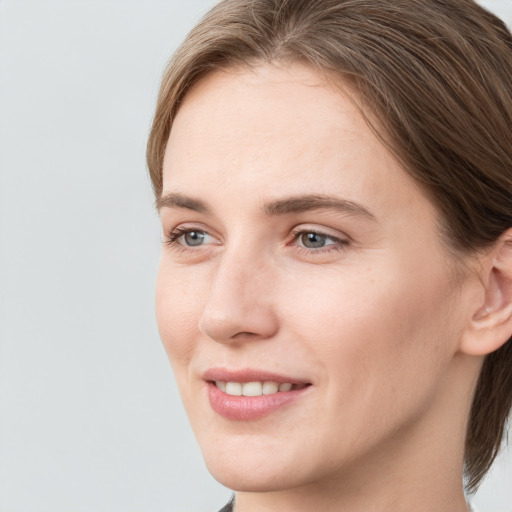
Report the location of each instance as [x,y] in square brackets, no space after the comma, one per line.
[377,319]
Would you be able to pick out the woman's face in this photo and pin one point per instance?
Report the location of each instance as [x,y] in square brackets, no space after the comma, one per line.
[299,252]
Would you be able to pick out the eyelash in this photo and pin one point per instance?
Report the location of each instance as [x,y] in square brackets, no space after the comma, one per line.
[338,245]
[174,235]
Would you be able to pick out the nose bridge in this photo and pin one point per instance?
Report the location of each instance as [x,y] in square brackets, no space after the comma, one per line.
[239,304]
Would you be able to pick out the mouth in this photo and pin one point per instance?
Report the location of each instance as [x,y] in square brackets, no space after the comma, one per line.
[251,395]
[256,388]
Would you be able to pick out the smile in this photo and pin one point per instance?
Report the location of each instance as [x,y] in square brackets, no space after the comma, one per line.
[256,388]
[248,395]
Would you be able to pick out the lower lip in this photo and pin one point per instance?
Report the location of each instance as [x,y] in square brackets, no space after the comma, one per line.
[247,408]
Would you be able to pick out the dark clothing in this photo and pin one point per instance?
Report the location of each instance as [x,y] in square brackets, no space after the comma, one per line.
[228,507]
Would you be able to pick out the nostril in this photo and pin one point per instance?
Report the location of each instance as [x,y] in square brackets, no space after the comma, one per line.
[244,334]
[244,324]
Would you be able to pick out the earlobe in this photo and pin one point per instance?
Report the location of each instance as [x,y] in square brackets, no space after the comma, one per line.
[491,323]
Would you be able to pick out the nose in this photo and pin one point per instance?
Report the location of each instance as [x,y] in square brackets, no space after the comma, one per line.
[240,305]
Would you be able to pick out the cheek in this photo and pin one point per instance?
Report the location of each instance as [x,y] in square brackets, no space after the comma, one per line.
[375,334]
[178,306]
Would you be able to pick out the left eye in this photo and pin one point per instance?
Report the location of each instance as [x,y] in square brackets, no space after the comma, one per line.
[312,240]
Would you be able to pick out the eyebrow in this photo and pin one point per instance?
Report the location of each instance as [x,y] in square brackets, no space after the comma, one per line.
[294,204]
[307,203]
[181,201]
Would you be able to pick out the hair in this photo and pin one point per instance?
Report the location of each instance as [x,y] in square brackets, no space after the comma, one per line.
[434,80]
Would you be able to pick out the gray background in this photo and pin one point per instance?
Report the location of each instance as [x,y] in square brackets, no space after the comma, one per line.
[90,419]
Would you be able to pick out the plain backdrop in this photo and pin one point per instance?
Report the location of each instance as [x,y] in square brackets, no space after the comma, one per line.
[90,419]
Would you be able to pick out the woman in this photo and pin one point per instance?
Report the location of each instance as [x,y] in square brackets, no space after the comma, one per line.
[334,179]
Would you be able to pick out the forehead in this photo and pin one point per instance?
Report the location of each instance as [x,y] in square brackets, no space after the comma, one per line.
[266,108]
[274,127]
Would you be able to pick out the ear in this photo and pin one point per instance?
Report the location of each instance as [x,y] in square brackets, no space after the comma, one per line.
[490,325]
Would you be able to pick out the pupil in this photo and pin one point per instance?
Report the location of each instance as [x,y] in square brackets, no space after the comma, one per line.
[313,240]
[194,238]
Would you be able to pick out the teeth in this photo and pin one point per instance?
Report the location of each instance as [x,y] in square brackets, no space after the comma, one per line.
[255,388]
[252,389]
[270,387]
[234,388]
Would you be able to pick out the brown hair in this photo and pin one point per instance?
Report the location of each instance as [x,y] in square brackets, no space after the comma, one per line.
[436,78]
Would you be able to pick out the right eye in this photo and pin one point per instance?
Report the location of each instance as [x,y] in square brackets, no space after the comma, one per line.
[193,238]
[189,237]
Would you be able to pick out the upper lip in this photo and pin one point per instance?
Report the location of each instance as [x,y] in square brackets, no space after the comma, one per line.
[249,375]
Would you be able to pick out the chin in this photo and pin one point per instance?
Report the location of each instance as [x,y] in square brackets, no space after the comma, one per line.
[253,471]
[245,479]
